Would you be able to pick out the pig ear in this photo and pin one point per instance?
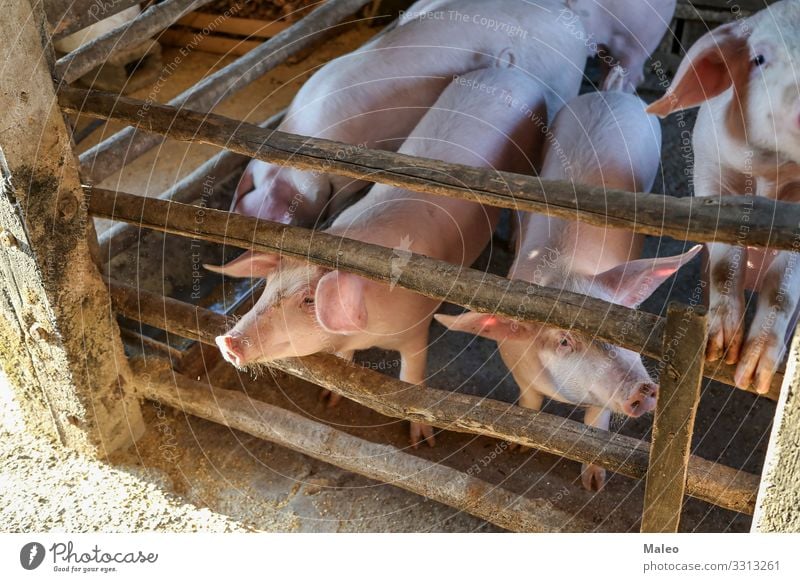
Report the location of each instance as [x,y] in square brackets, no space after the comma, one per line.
[339,301]
[633,282]
[248,264]
[486,325]
[715,62]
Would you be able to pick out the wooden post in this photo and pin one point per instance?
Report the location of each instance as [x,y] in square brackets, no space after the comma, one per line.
[679,394]
[779,494]
[59,343]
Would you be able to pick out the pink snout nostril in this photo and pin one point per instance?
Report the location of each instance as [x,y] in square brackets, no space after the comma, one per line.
[231,348]
[642,400]
[649,389]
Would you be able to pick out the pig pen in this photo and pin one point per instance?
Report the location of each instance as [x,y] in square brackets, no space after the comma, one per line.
[63,347]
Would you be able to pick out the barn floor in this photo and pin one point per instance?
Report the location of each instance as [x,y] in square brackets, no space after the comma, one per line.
[189,474]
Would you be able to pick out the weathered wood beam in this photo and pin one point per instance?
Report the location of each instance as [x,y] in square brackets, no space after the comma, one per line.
[769,223]
[469,288]
[706,480]
[59,342]
[68,16]
[127,145]
[679,395]
[383,463]
[86,58]
[636,330]
[188,189]
[779,492]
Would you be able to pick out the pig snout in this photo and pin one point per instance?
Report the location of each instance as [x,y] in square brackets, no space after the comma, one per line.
[232,348]
[641,400]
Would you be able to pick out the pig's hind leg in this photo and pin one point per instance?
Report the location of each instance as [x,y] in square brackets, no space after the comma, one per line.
[533,400]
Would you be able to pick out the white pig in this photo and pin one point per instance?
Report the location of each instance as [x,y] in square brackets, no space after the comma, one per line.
[487,118]
[624,32]
[374,97]
[600,139]
[746,142]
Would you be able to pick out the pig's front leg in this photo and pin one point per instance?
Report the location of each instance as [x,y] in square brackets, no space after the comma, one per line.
[413,363]
[775,313]
[334,398]
[593,477]
[727,271]
[528,398]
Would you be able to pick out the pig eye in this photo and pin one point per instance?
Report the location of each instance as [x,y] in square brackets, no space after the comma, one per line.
[759,60]
[308,302]
[565,345]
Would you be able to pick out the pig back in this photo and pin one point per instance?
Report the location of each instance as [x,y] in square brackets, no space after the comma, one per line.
[605,139]
[490,118]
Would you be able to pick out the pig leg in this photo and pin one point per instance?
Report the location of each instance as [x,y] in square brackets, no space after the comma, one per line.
[775,312]
[413,363]
[335,398]
[593,477]
[727,273]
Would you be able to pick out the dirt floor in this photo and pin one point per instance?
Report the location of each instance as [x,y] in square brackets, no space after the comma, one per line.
[189,474]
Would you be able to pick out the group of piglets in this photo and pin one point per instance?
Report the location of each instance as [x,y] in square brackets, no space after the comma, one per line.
[494,84]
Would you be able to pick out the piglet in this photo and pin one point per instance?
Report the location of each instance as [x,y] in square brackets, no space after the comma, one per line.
[487,118]
[373,97]
[746,142]
[623,32]
[605,140]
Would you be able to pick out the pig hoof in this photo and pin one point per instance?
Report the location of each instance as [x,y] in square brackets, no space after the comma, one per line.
[516,448]
[593,477]
[420,432]
[758,364]
[332,397]
[725,334]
